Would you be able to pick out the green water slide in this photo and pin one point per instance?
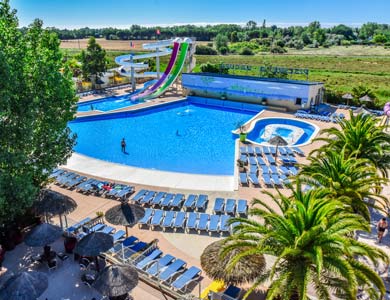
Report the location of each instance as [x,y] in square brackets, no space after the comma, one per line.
[175,73]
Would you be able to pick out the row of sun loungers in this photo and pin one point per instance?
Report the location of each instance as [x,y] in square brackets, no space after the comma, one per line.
[157,218]
[171,201]
[152,262]
[86,185]
[263,151]
[231,206]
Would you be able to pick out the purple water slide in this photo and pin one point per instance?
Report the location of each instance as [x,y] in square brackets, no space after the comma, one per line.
[171,63]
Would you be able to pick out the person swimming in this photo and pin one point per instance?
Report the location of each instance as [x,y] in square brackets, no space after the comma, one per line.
[177,133]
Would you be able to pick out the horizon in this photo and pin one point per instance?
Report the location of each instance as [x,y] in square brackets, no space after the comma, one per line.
[72,14]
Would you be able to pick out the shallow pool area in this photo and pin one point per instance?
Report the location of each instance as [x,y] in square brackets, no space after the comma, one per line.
[294,132]
[107,103]
[188,136]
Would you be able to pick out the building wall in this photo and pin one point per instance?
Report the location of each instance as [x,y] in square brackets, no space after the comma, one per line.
[282,94]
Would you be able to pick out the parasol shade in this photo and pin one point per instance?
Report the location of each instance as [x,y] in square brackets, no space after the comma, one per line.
[42,235]
[24,286]
[94,244]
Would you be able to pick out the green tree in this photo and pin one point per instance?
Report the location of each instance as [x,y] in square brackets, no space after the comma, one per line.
[380,38]
[37,101]
[362,137]
[347,179]
[234,37]
[312,241]
[251,25]
[94,62]
[220,41]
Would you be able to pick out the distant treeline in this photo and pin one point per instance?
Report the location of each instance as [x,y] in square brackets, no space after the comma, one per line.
[313,34]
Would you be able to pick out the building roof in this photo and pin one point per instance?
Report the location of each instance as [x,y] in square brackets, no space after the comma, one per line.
[255,78]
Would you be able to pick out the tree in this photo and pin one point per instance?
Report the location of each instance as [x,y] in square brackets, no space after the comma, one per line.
[37,101]
[94,62]
[380,38]
[361,137]
[251,25]
[220,41]
[312,241]
[234,37]
[205,50]
[345,178]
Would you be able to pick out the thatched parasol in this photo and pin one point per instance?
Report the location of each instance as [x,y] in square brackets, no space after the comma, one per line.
[24,286]
[365,98]
[116,280]
[54,203]
[42,235]
[246,270]
[94,244]
[125,214]
[277,140]
[347,96]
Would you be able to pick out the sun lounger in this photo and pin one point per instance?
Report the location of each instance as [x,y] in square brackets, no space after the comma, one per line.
[242,207]
[292,159]
[243,158]
[273,150]
[157,218]
[285,159]
[230,206]
[203,222]
[223,226]
[243,178]
[289,151]
[298,151]
[167,200]
[56,173]
[177,201]
[158,199]
[213,224]
[186,278]
[267,179]
[76,226]
[107,229]
[252,160]
[152,256]
[74,182]
[283,170]
[65,176]
[251,151]
[146,218]
[130,241]
[258,151]
[189,203]
[128,252]
[293,170]
[179,220]
[167,272]
[284,179]
[154,267]
[260,161]
[201,203]
[253,178]
[118,235]
[192,219]
[127,242]
[96,227]
[270,159]
[219,205]
[82,184]
[147,197]
[168,219]
[253,169]
[273,169]
[243,150]
[125,192]
[282,151]
[265,169]
[276,180]
[115,190]
[139,195]
[266,150]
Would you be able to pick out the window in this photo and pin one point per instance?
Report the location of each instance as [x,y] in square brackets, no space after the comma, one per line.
[298,101]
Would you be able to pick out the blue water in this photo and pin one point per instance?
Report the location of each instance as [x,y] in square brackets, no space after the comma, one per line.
[107,104]
[258,130]
[182,137]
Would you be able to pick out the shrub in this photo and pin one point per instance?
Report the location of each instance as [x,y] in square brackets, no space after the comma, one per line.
[205,50]
[277,49]
[213,68]
[223,50]
[246,51]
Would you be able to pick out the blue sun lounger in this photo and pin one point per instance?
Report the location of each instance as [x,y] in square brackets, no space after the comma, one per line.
[223,225]
[177,201]
[270,159]
[192,219]
[180,219]
[115,190]
[167,272]
[284,170]
[76,181]
[56,173]
[244,158]
[203,222]
[127,242]
[125,192]
[186,278]
[285,159]
[243,150]
[252,160]
[258,151]
[139,195]
[83,184]
[253,178]
[282,151]
[267,180]
[189,203]
[289,151]
[156,253]
[230,206]
[250,150]
[158,199]
[261,161]
[128,252]
[107,229]
[253,169]
[65,177]
[276,180]
[273,169]
[168,219]
[154,267]
[146,218]
[232,292]
[96,227]
[147,197]
[76,226]
[273,150]
[266,150]
[118,235]
[213,224]
[201,203]
[243,178]
[167,200]
[242,207]
[284,179]
[298,151]
[292,159]
[293,170]
[265,169]
[157,218]
[219,205]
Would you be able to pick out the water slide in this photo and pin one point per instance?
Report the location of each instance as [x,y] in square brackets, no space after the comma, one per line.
[153,88]
[175,73]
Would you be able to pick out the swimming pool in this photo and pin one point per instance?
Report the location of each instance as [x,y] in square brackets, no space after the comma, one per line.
[106,104]
[189,136]
[293,131]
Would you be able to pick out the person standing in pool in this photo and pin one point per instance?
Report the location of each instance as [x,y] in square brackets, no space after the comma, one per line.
[123,145]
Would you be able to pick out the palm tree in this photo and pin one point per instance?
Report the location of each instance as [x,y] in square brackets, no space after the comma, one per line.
[311,238]
[347,179]
[362,137]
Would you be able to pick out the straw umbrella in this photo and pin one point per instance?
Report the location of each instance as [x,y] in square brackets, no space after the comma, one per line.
[347,97]
[43,235]
[116,280]
[125,214]
[246,270]
[24,286]
[53,203]
[277,140]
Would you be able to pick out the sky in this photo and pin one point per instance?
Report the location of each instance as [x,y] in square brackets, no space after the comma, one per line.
[124,13]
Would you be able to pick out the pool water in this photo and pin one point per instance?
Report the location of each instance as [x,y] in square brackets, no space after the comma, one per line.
[179,137]
[283,132]
[107,104]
